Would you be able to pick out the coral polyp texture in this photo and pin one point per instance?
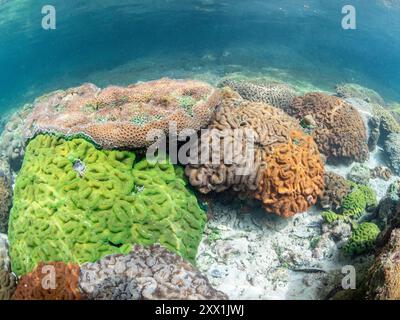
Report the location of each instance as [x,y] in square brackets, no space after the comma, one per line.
[283,168]
[279,95]
[147,273]
[5,201]
[50,281]
[384,275]
[125,117]
[362,239]
[340,132]
[7,278]
[76,203]
[336,188]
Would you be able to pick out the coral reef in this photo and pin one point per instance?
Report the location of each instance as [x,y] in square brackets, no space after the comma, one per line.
[284,170]
[119,117]
[278,95]
[64,213]
[12,146]
[381,172]
[359,173]
[5,200]
[392,151]
[353,90]
[340,133]
[150,272]
[336,188]
[384,276]
[361,198]
[362,239]
[388,123]
[7,279]
[50,281]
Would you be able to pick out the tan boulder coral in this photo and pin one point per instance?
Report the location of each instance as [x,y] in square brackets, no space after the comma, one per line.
[122,117]
[148,273]
[336,188]
[353,90]
[7,278]
[276,94]
[340,133]
[384,279]
[283,168]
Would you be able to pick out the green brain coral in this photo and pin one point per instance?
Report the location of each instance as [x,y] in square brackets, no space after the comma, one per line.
[75,203]
[362,239]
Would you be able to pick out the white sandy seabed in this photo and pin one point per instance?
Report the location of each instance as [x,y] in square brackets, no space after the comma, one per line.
[254,255]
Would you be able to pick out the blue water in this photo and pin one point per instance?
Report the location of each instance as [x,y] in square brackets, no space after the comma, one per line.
[120,42]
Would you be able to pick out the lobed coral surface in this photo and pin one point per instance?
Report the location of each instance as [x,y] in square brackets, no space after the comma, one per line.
[75,203]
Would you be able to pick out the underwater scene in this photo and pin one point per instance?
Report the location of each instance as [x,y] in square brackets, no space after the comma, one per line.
[200,150]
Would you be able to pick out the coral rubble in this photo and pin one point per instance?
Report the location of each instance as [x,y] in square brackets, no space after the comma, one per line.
[61,214]
[340,133]
[124,117]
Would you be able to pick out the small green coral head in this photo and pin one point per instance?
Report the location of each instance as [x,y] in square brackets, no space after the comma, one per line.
[362,239]
[76,203]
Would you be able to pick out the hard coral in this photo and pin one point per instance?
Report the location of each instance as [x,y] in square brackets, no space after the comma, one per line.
[384,275]
[392,151]
[50,281]
[125,117]
[279,95]
[336,188]
[150,272]
[340,133]
[293,179]
[79,213]
[7,278]
[5,201]
[353,90]
[362,239]
[283,167]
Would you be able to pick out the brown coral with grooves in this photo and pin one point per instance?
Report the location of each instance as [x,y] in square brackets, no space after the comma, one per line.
[336,188]
[381,172]
[340,133]
[50,281]
[293,179]
[285,170]
[123,117]
[384,278]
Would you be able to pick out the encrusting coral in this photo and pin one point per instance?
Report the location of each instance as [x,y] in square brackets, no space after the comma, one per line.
[359,173]
[50,281]
[279,95]
[147,273]
[336,188]
[76,203]
[125,117]
[340,133]
[7,278]
[284,167]
[362,239]
[384,275]
[353,90]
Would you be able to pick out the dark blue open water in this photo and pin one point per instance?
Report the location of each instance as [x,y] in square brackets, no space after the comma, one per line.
[124,41]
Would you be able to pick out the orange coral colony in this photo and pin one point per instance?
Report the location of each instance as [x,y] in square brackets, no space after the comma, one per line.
[50,281]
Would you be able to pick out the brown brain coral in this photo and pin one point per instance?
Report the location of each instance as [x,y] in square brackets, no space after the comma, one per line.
[293,178]
[336,188]
[283,167]
[50,281]
[340,133]
[149,273]
[122,117]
